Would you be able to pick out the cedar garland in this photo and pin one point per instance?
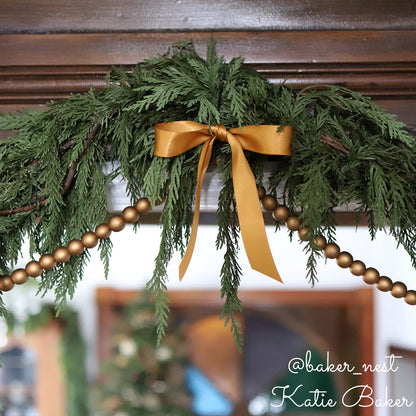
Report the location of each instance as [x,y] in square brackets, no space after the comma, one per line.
[53,189]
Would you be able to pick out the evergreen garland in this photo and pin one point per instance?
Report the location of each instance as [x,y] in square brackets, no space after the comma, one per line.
[345,149]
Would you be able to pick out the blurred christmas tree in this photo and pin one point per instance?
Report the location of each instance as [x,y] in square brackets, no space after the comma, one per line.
[142,379]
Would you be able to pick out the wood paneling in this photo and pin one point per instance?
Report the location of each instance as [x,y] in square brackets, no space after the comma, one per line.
[47,16]
[382,64]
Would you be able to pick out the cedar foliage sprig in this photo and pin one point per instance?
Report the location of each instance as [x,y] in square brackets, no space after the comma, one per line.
[345,149]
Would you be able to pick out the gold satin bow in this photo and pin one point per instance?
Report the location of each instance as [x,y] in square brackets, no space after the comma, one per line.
[175,138]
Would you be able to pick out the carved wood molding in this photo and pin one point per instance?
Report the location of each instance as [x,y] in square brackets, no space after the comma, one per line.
[382,64]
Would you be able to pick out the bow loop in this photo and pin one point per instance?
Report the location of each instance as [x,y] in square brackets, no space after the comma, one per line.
[172,139]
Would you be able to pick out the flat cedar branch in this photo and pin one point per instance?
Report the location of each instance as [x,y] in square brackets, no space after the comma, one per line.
[53,189]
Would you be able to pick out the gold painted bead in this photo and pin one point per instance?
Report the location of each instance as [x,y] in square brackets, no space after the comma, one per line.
[293,223]
[344,259]
[6,283]
[61,254]
[75,247]
[332,250]
[143,206]
[371,276]
[357,268]
[384,284]
[116,223]
[19,276]
[262,192]
[269,202]
[302,232]
[281,213]
[33,269]
[102,231]
[320,241]
[410,297]
[399,290]
[89,239]
[47,262]
[130,215]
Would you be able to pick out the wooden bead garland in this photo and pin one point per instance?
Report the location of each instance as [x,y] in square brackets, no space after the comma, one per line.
[47,262]
[6,283]
[281,213]
[89,240]
[143,206]
[357,268]
[320,241]
[410,297]
[116,223]
[269,202]
[75,247]
[262,192]
[344,259]
[302,232]
[293,223]
[33,269]
[399,290]
[102,231]
[371,276]
[132,214]
[384,284]
[61,254]
[19,276]
[332,250]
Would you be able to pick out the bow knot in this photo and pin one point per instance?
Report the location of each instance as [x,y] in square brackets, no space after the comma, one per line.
[175,138]
[220,132]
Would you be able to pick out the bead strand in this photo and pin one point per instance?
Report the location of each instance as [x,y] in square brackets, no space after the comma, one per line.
[76,247]
[344,259]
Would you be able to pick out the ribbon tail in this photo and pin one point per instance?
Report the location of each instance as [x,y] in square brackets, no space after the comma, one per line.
[250,216]
[204,160]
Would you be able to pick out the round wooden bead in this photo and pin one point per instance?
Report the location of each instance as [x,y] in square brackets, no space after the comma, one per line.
[399,290]
[293,223]
[61,254]
[143,206]
[33,269]
[262,192]
[357,268]
[269,202]
[371,276]
[116,223]
[332,250]
[102,231]
[75,247]
[89,239]
[130,215]
[410,297]
[344,259]
[6,283]
[281,213]
[19,276]
[320,241]
[384,284]
[302,232]
[47,262]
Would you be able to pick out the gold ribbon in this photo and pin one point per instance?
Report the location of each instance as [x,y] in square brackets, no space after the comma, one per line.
[175,138]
